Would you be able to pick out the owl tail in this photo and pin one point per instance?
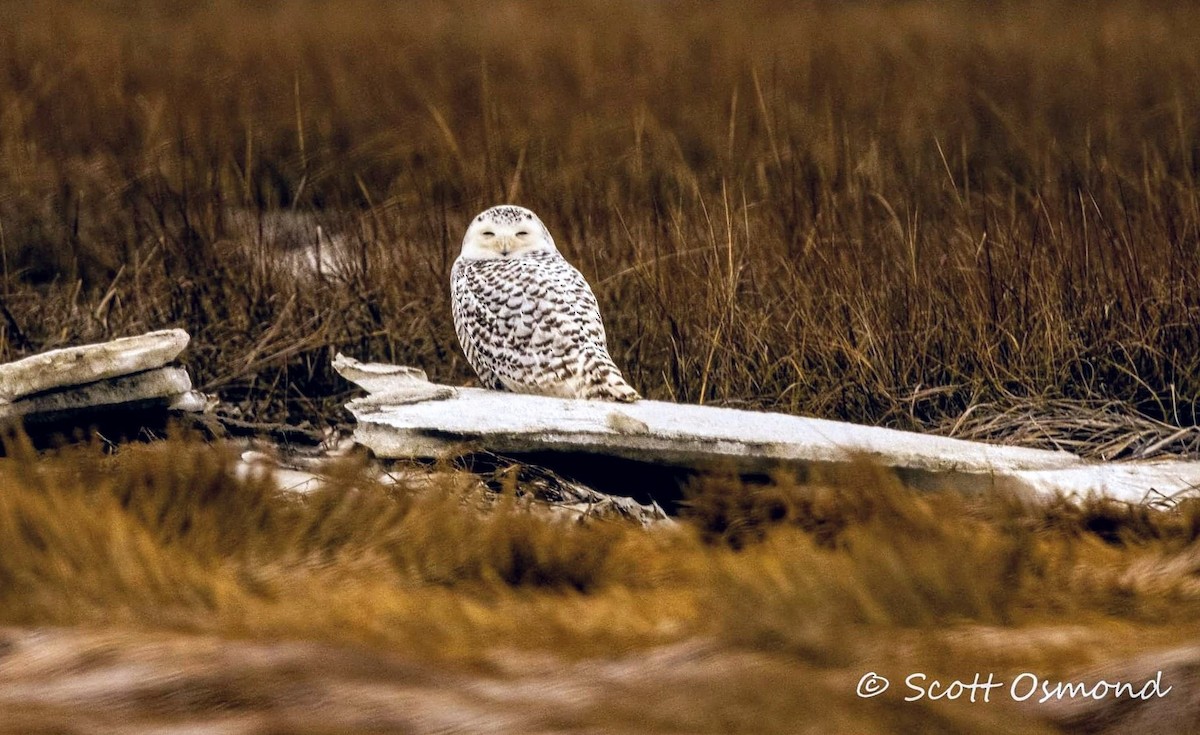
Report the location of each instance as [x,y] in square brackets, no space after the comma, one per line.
[613,388]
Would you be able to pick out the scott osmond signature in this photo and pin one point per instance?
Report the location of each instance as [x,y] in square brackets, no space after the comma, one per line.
[1023,687]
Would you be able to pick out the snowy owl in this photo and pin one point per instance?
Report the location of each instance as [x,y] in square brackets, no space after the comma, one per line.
[526,318]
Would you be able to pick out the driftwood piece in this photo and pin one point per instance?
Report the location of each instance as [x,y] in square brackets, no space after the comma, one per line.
[1161,482]
[428,420]
[74,366]
[409,417]
[161,387]
[389,385]
[117,389]
[296,472]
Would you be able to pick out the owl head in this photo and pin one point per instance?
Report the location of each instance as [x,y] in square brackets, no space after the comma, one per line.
[506,231]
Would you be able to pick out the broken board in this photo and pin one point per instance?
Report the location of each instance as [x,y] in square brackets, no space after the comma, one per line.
[407,416]
[122,385]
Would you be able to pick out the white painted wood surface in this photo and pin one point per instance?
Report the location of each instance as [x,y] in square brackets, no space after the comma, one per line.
[1157,481]
[406,416]
[166,384]
[72,366]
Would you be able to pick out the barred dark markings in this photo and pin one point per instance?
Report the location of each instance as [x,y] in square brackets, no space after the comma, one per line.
[528,321]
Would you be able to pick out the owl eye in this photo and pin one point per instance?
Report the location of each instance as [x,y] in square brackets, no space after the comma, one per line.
[522,233]
[488,233]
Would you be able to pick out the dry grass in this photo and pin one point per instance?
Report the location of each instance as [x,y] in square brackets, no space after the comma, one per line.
[884,212]
[1107,430]
[821,581]
[976,218]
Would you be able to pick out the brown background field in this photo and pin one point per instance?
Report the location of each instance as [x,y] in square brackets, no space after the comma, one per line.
[969,217]
[882,212]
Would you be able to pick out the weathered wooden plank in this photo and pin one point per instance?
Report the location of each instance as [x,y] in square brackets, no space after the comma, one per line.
[76,366]
[1160,481]
[163,384]
[406,416]
[411,417]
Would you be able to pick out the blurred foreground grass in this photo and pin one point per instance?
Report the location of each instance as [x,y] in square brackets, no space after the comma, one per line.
[759,611]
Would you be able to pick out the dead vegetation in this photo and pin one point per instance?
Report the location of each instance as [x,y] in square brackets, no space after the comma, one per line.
[883,212]
[1107,430]
[162,554]
[975,218]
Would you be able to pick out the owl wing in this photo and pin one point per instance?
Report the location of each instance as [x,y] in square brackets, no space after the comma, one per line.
[475,324]
[585,307]
[567,316]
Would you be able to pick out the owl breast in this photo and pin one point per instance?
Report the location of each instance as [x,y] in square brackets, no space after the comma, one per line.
[531,325]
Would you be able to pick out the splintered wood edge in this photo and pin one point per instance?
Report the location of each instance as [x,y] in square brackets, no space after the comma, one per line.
[84,364]
[159,383]
[399,381]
